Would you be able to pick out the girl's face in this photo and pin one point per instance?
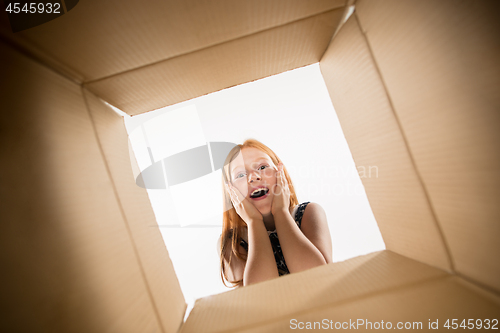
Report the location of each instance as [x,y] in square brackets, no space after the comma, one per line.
[253,173]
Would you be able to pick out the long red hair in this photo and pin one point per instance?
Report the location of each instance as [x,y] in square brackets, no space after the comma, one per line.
[232,224]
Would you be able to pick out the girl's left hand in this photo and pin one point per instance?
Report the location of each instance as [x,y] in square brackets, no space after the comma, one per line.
[281,192]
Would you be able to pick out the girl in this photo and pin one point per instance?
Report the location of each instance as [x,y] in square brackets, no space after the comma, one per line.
[259,205]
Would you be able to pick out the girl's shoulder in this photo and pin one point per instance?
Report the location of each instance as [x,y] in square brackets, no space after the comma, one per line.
[298,212]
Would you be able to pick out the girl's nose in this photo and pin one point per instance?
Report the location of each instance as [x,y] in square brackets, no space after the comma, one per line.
[253,176]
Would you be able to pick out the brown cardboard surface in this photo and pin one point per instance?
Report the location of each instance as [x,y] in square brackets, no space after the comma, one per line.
[304,293]
[422,303]
[163,286]
[417,96]
[397,197]
[97,38]
[484,292]
[238,61]
[439,62]
[68,264]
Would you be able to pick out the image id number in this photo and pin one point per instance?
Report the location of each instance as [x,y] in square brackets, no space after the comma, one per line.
[472,324]
[34,7]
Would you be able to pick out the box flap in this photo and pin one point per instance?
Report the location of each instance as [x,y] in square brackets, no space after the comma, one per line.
[396,193]
[238,61]
[100,40]
[427,306]
[103,38]
[302,293]
[440,65]
[159,275]
[67,258]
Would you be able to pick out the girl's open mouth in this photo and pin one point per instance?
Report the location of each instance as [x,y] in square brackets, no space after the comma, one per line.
[259,194]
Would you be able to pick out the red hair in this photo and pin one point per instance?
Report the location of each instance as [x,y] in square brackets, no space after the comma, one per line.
[232,223]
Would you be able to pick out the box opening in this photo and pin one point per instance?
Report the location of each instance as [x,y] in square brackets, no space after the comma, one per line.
[291,113]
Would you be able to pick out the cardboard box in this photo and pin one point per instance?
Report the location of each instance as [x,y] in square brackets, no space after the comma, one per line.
[415,85]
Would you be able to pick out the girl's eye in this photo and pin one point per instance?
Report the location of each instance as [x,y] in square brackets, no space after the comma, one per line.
[262,167]
[241,174]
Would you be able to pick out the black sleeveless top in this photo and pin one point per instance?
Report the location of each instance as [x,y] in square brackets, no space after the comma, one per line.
[275,243]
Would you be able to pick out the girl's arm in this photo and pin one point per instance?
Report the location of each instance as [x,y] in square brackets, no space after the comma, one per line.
[306,248]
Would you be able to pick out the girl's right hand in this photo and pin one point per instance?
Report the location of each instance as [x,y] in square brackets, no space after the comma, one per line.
[244,208]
